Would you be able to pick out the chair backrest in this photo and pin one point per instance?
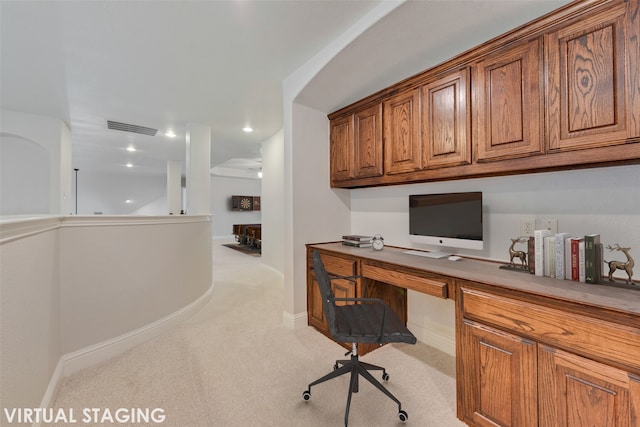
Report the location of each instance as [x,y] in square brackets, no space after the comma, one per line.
[328,299]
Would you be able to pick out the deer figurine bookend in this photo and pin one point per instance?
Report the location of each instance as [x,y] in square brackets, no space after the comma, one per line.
[621,265]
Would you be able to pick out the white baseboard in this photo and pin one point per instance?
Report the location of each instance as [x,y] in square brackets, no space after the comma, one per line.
[434,336]
[294,321]
[89,356]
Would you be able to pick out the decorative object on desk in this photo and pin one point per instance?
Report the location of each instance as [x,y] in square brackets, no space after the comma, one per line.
[521,255]
[357,240]
[621,265]
[377,242]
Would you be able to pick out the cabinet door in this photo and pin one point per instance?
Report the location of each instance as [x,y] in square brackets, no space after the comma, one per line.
[341,151]
[446,125]
[592,102]
[315,312]
[499,378]
[402,146]
[508,102]
[575,391]
[368,142]
[337,266]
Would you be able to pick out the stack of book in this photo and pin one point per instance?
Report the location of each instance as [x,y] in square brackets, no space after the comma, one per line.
[357,240]
[563,256]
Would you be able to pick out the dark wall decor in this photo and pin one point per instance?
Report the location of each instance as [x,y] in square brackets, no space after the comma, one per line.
[245,203]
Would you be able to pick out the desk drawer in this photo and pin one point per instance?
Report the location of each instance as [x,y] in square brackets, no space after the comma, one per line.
[578,333]
[338,266]
[430,286]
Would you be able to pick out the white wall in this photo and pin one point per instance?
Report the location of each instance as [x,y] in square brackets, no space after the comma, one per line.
[312,211]
[29,316]
[273,201]
[24,176]
[319,212]
[77,290]
[119,274]
[222,188]
[602,200]
[107,193]
[55,137]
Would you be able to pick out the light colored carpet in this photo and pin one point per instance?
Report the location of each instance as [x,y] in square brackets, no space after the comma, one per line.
[234,364]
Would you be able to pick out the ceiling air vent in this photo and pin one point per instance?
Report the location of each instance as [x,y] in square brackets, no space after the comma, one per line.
[125,127]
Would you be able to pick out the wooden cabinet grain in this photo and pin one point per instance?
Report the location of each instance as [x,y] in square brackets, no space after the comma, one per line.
[401,125]
[567,81]
[592,99]
[446,121]
[507,92]
[500,377]
[368,142]
[341,148]
[356,145]
[575,391]
[337,266]
[527,362]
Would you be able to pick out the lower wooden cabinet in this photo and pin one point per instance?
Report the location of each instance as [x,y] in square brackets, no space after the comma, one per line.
[341,288]
[575,391]
[499,377]
[526,362]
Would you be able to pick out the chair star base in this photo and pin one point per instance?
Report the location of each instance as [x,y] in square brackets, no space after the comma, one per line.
[357,368]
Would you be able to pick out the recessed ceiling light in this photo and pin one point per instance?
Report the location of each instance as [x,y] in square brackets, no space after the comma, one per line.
[131,148]
[128,201]
[247,129]
[129,165]
[170,134]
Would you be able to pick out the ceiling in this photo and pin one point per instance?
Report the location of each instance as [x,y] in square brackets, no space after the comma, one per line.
[165,64]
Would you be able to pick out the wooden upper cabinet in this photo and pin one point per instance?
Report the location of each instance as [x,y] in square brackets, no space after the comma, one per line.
[508,103]
[368,142]
[446,121]
[341,148]
[401,124]
[592,99]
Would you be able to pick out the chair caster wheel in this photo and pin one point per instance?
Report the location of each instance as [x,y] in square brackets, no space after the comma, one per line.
[403,416]
[385,376]
[335,367]
[306,395]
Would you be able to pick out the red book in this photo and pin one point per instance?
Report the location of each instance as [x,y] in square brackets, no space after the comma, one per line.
[575,261]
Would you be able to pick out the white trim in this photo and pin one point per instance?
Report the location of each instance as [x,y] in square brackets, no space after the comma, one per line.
[121,220]
[294,321]
[19,228]
[89,356]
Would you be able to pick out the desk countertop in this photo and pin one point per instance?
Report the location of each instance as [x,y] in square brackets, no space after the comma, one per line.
[623,300]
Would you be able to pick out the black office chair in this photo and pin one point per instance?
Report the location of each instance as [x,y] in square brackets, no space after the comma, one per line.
[365,320]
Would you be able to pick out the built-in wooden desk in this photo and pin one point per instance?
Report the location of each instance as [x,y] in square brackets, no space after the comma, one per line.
[530,350]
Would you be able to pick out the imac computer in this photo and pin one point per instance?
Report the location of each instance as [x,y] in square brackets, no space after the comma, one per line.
[449,220]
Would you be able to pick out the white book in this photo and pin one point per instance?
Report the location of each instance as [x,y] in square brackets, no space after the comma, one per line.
[560,254]
[538,240]
[550,256]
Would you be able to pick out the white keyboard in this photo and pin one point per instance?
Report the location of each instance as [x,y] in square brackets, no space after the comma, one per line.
[428,254]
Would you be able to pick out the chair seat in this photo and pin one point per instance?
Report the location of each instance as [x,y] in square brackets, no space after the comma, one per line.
[361,323]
